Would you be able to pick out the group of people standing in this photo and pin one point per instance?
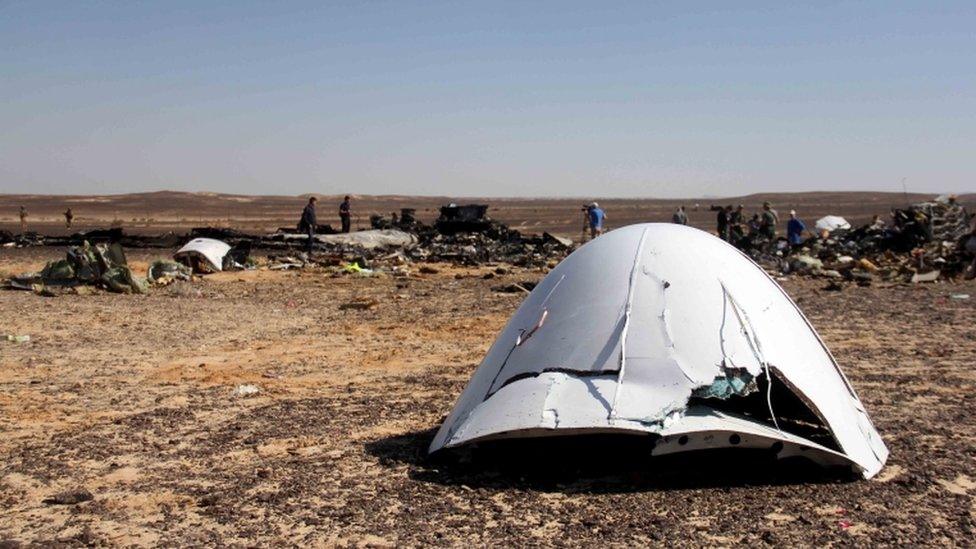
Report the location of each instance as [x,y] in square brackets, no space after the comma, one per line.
[309,222]
[731,224]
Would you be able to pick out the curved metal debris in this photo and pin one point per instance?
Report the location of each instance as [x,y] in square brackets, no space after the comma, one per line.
[207,249]
[667,330]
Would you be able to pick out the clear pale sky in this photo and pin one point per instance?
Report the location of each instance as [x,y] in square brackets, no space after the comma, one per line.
[648,99]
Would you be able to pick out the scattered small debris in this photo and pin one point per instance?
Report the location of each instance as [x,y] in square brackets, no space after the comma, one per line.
[959,296]
[246,390]
[833,286]
[359,305]
[163,272]
[208,500]
[43,290]
[356,268]
[17,338]
[524,286]
[931,276]
[70,497]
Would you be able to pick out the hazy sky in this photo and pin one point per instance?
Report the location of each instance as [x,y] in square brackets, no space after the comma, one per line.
[487,98]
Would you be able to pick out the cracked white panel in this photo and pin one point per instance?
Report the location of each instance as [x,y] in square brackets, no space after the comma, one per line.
[549,401]
[664,364]
[698,306]
[578,334]
[555,403]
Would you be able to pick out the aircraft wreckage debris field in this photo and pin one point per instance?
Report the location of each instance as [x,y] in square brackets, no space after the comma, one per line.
[262,407]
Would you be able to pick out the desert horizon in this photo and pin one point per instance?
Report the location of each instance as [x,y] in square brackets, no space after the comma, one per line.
[159,211]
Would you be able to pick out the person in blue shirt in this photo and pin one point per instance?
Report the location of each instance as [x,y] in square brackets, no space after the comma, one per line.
[794,230]
[596,216]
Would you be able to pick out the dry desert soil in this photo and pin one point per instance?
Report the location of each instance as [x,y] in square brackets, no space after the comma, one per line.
[132,399]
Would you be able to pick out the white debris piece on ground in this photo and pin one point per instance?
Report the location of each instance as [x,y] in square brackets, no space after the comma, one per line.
[832,223]
[667,330]
[209,250]
[246,390]
[930,276]
[377,238]
[17,338]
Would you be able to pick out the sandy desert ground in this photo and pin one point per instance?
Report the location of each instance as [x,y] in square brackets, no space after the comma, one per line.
[132,399]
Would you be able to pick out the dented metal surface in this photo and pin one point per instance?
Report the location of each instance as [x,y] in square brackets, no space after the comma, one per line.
[639,331]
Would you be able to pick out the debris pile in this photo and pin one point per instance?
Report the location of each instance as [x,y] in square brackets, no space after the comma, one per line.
[100,265]
[163,272]
[462,234]
[94,236]
[924,243]
[466,235]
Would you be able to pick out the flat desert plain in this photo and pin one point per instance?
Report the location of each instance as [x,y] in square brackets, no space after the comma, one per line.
[153,213]
[133,399]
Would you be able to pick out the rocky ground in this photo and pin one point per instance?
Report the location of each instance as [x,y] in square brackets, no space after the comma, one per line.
[131,400]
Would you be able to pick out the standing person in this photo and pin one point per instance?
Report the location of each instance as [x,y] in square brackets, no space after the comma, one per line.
[344,214]
[737,217]
[736,220]
[23,219]
[680,217]
[68,216]
[596,217]
[794,230]
[768,221]
[308,223]
[722,222]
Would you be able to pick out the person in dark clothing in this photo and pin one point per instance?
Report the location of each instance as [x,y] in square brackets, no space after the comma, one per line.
[736,225]
[737,217]
[68,216]
[308,223]
[722,222]
[679,217]
[769,220]
[344,214]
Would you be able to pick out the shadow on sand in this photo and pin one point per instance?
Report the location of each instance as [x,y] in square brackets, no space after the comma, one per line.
[593,464]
